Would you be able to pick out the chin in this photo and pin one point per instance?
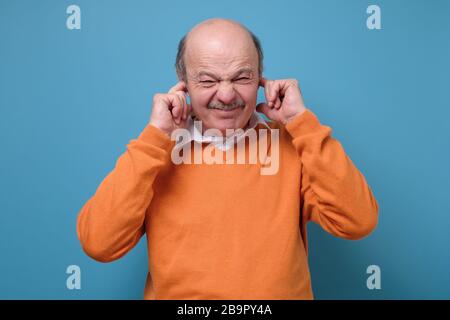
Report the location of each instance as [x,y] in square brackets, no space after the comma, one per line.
[223,125]
[235,123]
[229,120]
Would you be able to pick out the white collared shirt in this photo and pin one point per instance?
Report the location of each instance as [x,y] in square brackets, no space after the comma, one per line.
[217,140]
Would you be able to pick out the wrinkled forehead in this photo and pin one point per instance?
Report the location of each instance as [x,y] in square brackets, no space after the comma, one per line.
[220,53]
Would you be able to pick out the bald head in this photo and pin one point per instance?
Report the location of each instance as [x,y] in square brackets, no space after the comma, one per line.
[212,37]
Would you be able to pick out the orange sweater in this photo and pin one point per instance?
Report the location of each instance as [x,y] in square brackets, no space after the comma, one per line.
[221,231]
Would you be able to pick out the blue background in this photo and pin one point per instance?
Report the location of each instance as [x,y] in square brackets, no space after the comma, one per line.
[72,99]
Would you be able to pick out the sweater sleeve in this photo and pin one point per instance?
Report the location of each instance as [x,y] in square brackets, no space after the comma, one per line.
[334,194]
[112,222]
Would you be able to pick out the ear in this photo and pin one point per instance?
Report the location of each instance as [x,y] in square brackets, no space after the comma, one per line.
[262,81]
[180,76]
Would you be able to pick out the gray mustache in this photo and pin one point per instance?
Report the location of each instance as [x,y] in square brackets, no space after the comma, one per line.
[221,106]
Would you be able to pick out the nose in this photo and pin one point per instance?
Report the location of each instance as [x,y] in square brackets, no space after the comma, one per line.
[225,92]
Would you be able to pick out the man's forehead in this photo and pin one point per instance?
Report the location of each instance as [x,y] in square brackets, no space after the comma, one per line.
[222,64]
[225,51]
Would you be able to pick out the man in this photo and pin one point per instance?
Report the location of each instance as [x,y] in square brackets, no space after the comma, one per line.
[221,231]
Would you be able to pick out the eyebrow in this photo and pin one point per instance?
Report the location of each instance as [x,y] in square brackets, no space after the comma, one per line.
[212,75]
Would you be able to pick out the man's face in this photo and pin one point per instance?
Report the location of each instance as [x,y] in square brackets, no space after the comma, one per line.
[222,81]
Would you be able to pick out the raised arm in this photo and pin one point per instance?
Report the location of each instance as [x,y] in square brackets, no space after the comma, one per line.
[334,193]
[112,221]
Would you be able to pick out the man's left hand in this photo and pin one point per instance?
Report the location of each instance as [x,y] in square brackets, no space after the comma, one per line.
[284,100]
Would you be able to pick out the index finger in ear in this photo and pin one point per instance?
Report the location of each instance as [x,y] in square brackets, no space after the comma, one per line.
[262,82]
[180,86]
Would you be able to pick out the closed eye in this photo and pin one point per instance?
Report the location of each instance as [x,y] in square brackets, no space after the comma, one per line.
[242,79]
[207,83]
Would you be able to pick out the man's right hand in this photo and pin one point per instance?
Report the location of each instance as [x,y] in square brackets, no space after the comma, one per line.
[170,110]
